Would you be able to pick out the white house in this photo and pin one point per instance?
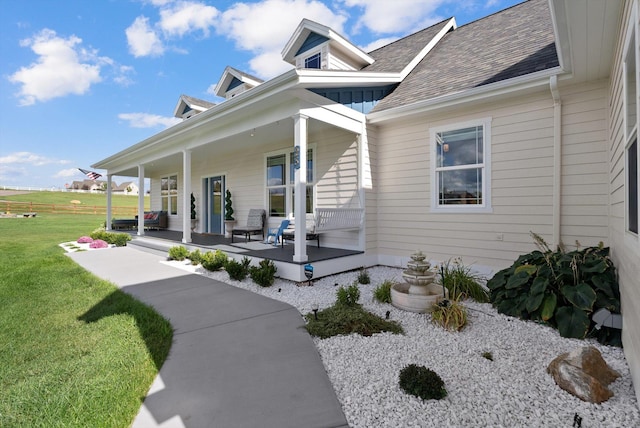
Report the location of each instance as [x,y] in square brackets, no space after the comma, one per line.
[458,141]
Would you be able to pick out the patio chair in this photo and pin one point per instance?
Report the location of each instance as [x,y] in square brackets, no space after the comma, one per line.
[254,226]
[276,232]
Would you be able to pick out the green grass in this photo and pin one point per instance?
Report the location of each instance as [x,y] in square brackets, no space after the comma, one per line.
[65,198]
[74,350]
[339,319]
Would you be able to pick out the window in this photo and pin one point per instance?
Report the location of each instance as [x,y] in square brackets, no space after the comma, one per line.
[169,194]
[460,167]
[281,183]
[314,61]
[631,130]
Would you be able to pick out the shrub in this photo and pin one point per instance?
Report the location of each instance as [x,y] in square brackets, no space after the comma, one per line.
[263,274]
[450,315]
[238,270]
[85,240]
[560,288]
[98,243]
[115,238]
[338,320]
[348,297]
[178,253]
[214,261]
[195,256]
[382,293]
[462,282]
[422,382]
[363,277]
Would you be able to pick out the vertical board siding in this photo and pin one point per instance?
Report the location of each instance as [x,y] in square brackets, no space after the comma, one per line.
[625,248]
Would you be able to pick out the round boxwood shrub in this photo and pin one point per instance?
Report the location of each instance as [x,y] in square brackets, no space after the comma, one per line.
[422,382]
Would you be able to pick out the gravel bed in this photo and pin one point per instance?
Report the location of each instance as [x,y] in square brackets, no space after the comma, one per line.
[513,390]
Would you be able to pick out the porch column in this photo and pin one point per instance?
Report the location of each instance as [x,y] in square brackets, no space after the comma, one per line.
[186,196]
[108,225]
[299,201]
[141,200]
[364,182]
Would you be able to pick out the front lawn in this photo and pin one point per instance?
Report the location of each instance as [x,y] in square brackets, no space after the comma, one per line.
[75,351]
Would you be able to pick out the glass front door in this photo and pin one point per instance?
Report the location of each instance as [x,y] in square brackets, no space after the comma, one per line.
[214,190]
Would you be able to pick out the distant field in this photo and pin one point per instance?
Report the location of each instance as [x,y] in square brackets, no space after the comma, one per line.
[69,203]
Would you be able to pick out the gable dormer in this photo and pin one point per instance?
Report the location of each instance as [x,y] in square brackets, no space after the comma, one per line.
[189,106]
[315,46]
[234,82]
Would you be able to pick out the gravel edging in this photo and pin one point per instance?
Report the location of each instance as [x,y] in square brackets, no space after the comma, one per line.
[513,390]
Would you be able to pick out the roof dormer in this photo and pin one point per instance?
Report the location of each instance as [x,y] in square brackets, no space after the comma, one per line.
[190,106]
[316,46]
[234,82]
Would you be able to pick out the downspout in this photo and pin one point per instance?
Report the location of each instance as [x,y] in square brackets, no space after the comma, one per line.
[557,159]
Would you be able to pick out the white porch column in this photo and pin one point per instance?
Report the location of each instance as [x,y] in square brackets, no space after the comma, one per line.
[141,200]
[186,196]
[108,225]
[299,201]
[364,182]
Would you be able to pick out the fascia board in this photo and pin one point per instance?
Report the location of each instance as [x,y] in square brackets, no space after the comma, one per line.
[561,30]
[265,90]
[336,78]
[475,94]
[450,25]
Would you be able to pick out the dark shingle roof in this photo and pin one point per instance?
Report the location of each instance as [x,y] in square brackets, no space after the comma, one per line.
[395,56]
[511,43]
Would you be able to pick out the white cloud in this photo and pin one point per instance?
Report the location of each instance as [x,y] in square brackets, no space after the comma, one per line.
[122,75]
[145,120]
[384,16]
[63,67]
[184,17]
[65,173]
[378,43]
[142,39]
[263,28]
[29,158]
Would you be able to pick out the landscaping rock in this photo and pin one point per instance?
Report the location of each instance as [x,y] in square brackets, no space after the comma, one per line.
[583,373]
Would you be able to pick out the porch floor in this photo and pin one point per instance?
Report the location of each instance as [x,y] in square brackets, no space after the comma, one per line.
[253,248]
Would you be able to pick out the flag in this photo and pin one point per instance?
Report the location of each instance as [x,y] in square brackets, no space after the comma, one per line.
[92,175]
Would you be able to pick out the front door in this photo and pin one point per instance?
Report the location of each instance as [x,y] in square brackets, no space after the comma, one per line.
[214,204]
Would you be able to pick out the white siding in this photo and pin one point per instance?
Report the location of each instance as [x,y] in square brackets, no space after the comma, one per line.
[625,248]
[522,168]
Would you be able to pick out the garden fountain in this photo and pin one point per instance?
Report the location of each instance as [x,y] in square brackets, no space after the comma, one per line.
[418,293]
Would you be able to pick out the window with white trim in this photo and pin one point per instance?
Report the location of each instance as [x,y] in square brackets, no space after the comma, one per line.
[313,61]
[460,176]
[281,183]
[169,194]
[630,82]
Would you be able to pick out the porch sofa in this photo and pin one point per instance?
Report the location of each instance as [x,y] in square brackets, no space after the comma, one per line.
[152,220]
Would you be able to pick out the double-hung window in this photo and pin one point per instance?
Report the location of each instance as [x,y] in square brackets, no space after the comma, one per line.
[281,183]
[169,194]
[631,127]
[460,175]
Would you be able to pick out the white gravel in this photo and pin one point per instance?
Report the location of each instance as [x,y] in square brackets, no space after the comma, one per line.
[513,390]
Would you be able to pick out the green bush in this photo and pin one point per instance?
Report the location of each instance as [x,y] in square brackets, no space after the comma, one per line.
[422,382]
[382,293]
[560,288]
[263,274]
[195,256]
[178,253]
[115,238]
[348,297]
[363,277]
[238,270]
[462,282]
[450,315]
[214,261]
[339,320]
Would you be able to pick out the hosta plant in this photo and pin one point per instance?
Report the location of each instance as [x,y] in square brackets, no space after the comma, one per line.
[560,288]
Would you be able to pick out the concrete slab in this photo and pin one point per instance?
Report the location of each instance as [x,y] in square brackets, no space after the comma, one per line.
[238,359]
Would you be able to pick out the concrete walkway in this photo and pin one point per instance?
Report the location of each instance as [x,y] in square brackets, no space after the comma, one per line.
[238,359]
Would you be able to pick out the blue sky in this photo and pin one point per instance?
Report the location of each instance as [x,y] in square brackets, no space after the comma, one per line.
[81,80]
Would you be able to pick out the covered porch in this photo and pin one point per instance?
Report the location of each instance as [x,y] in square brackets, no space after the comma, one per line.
[325,260]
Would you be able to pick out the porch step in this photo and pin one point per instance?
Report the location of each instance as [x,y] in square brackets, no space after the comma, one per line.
[155,246]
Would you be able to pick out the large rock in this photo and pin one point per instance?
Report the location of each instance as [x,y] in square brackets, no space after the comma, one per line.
[583,373]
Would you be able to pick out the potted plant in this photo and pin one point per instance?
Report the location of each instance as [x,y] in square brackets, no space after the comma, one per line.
[194,218]
[229,221]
